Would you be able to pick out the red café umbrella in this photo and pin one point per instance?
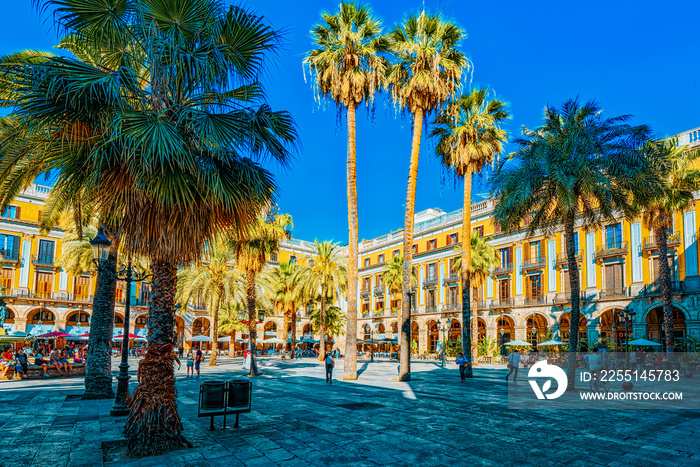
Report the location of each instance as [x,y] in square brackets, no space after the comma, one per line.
[131,336]
[85,335]
[54,335]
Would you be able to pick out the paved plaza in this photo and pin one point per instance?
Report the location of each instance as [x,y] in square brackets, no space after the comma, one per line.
[300,420]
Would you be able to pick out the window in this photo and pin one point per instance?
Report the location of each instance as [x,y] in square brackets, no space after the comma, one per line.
[479,230]
[46,249]
[527,219]
[430,297]
[415,249]
[396,253]
[656,270]
[504,289]
[452,239]
[505,256]
[379,305]
[365,309]
[366,262]
[81,288]
[145,292]
[613,278]
[453,296]
[6,276]
[378,281]
[9,247]
[613,236]
[273,257]
[535,289]
[44,284]
[535,250]
[380,258]
[431,272]
[451,267]
[431,244]
[496,227]
[365,283]
[11,212]
[293,259]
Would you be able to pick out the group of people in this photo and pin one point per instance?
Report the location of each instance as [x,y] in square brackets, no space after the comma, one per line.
[44,356]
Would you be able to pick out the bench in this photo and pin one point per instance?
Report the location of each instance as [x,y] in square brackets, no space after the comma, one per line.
[37,372]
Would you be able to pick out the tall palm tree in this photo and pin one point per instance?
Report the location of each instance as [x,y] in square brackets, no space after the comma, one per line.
[347,67]
[425,76]
[334,321]
[76,253]
[325,273]
[166,126]
[675,167]
[483,260]
[577,168]
[251,249]
[393,276]
[216,281]
[469,139]
[287,296]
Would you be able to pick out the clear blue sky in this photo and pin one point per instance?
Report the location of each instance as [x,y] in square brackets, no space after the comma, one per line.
[638,58]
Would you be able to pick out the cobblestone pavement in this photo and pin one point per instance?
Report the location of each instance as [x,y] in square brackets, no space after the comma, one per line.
[300,420]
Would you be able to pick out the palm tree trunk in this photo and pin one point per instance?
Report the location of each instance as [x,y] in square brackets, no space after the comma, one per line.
[661,234]
[475,328]
[232,344]
[466,272]
[575,287]
[350,361]
[405,317]
[294,334]
[153,427]
[252,320]
[98,373]
[322,325]
[284,335]
[215,329]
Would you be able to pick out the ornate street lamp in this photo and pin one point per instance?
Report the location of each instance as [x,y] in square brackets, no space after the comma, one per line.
[626,319]
[442,328]
[100,249]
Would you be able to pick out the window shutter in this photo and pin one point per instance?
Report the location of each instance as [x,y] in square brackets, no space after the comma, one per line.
[15,247]
[17,213]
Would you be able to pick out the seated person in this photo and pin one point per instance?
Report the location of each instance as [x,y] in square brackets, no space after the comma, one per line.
[79,356]
[22,362]
[55,360]
[44,364]
[65,355]
[6,360]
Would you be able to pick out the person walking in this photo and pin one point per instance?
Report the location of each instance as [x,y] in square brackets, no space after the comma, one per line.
[190,363]
[513,364]
[330,363]
[461,361]
[197,360]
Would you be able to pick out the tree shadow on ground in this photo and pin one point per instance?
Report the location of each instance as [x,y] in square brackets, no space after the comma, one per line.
[363,368]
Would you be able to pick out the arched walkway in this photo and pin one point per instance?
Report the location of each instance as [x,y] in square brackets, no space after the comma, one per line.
[481,326]
[505,327]
[415,337]
[200,327]
[655,327]
[455,331]
[179,330]
[433,336]
[565,325]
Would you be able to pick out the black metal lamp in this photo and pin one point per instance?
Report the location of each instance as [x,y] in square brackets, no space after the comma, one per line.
[100,246]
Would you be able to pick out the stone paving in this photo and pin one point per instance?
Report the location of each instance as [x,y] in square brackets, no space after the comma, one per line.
[299,420]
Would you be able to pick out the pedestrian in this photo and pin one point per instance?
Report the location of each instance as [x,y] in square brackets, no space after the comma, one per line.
[298,353]
[182,351]
[39,360]
[22,362]
[461,361]
[330,363]
[246,360]
[513,364]
[190,363]
[197,360]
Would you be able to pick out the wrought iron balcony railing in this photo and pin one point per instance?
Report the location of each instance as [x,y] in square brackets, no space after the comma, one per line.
[452,277]
[563,259]
[655,288]
[43,260]
[611,250]
[538,300]
[431,280]
[673,241]
[616,292]
[534,263]
[503,303]
[506,268]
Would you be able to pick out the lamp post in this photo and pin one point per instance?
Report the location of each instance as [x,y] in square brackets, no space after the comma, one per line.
[442,328]
[626,320]
[534,336]
[100,248]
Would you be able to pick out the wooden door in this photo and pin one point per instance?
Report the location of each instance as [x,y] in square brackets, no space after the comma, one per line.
[81,288]
[6,279]
[44,284]
[613,278]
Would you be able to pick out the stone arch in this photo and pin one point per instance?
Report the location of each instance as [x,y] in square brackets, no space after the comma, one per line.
[395,328]
[380,328]
[415,335]
[11,315]
[433,335]
[455,329]
[657,303]
[308,328]
[541,326]
[44,315]
[505,328]
[78,316]
[481,329]
[118,319]
[140,321]
[366,331]
[654,328]
[201,326]
[270,326]
[565,325]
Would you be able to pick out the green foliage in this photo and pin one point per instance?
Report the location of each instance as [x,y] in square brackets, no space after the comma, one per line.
[483,258]
[452,346]
[488,347]
[335,320]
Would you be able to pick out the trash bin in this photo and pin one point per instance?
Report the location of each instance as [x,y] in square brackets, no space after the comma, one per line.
[239,394]
[212,395]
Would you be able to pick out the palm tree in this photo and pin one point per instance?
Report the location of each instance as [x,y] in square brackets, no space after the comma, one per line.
[578,167]
[166,125]
[215,281]
[393,276]
[230,324]
[334,321]
[325,273]
[347,67]
[76,253]
[674,166]
[426,75]
[251,249]
[469,139]
[287,297]
[483,260]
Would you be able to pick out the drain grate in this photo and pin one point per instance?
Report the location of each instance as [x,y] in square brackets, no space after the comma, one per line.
[360,405]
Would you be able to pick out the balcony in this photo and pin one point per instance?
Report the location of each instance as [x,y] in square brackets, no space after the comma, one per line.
[379,289]
[614,293]
[53,296]
[655,288]
[611,250]
[451,308]
[430,309]
[378,314]
[502,303]
[565,297]
[453,277]
[539,300]
[563,259]
[534,263]
[42,260]
[673,241]
[503,269]
[482,305]
[365,290]
[10,256]
[430,280]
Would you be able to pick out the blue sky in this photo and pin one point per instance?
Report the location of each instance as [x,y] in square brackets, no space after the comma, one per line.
[638,58]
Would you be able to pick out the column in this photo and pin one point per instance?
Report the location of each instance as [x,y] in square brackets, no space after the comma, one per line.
[552,266]
[63,281]
[26,262]
[692,281]
[590,260]
[518,271]
[636,251]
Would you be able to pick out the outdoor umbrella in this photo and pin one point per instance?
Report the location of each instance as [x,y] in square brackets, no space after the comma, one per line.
[198,339]
[272,340]
[54,335]
[225,339]
[551,342]
[518,342]
[643,342]
[131,336]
